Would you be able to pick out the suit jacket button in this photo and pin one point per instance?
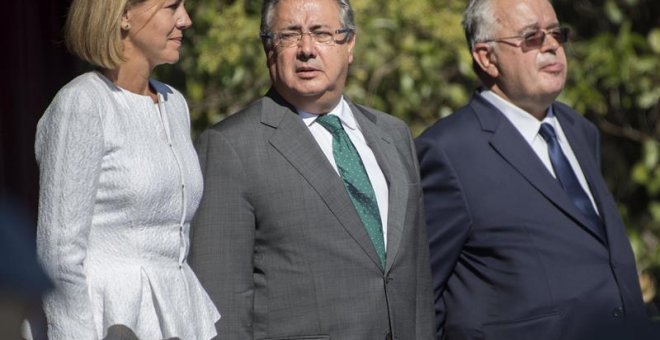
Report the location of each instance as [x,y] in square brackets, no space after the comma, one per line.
[617,312]
[388,336]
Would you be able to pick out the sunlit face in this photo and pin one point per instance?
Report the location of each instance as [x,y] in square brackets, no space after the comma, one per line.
[529,78]
[309,75]
[155,31]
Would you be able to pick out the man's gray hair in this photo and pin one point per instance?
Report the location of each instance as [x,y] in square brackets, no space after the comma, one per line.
[478,21]
[346,16]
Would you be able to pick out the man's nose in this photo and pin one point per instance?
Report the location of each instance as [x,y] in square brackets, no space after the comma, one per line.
[307,46]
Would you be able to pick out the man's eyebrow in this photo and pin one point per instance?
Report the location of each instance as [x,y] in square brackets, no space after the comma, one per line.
[536,26]
[293,28]
[530,27]
[315,27]
[297,27]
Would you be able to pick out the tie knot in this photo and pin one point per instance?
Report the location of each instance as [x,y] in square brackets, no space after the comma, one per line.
[547,132]
[331,123]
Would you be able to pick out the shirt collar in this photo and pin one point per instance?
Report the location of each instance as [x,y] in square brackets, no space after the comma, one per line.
[342,110]
[524,122]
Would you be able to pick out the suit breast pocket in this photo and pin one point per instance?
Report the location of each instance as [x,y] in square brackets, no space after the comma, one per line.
[542,327]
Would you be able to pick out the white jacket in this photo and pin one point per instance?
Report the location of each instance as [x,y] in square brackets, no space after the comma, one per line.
[120,182]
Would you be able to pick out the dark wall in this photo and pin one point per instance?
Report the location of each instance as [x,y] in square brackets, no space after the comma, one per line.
[34,64]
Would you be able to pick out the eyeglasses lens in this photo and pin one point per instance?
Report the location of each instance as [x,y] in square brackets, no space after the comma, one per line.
[536,39]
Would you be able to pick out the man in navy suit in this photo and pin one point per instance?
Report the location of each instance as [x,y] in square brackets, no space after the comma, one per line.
[526,242]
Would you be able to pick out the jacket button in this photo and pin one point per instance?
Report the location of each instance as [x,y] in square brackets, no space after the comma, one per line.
[617,312]
[388,336]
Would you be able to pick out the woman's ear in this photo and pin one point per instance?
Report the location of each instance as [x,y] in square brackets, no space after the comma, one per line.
[125,24]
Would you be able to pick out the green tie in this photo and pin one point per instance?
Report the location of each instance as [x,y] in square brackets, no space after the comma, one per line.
[356,181]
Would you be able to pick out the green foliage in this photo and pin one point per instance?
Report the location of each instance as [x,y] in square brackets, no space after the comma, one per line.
[614,78]
[223,65]
[411,60]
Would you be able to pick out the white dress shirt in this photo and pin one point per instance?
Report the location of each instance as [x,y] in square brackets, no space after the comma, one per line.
[324,138]
[529,127]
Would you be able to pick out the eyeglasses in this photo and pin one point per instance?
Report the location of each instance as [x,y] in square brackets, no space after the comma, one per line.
[535,39]
[292,38]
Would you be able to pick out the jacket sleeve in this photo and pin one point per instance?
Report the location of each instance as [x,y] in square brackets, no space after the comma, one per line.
[69,150]
[222,239]
[425,322]
[448,220]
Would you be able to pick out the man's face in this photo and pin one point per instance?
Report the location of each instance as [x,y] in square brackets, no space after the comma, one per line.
[529,77]
[309,75]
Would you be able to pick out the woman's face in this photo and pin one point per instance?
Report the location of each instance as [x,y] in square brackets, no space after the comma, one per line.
[155,32]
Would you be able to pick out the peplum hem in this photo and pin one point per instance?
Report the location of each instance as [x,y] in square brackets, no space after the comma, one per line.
[152,303]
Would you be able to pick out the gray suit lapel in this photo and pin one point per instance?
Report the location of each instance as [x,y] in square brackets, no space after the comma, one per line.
[294,141]
[508,142]
[390,163]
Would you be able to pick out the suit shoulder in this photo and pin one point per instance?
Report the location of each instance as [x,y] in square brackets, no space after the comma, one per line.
[249,115]
[566,109]
[588,126]
[458,125]
[382,116]
[387,121]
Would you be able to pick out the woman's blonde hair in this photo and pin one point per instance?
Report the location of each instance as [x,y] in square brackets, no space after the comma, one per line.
[93,30]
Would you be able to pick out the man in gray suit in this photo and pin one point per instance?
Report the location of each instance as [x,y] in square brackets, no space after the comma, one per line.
[311,224]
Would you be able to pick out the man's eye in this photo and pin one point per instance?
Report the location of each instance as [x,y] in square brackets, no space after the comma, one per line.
[322,35]
[289,35]
[531,36]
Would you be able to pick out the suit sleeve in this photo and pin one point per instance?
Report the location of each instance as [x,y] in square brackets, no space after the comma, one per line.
[425,323]
[69,149]
[222,239]
[447,219]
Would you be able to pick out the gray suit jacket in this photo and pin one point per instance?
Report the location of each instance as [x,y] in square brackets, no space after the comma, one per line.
[281,250]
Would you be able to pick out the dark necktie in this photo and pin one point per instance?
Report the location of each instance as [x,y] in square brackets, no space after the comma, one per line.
[568,180]
[356,181]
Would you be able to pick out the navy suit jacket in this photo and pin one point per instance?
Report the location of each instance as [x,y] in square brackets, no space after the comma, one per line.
[512,257]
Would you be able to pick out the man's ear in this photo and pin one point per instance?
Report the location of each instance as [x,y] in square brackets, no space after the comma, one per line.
[351,45]
[486,59]
[270,52]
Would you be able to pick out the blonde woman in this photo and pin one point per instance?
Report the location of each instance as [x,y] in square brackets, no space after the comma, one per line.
[120,182]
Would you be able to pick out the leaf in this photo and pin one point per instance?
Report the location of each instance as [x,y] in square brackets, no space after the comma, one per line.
[613,12]
[654,40]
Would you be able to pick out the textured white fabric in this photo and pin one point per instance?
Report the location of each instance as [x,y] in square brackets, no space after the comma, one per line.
[120,182]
